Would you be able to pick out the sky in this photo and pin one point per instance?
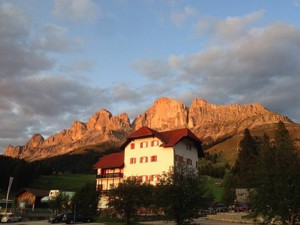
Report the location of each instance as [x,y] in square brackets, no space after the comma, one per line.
[63,60]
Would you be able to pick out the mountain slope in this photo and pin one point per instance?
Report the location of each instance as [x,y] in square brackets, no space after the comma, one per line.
[208,121]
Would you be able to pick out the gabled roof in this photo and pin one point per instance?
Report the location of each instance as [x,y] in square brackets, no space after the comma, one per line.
[172,137]
[143,132]
[168,138]
[113,160]
[36,192]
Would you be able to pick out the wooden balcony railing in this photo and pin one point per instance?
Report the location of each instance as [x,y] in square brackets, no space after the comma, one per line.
[110,175]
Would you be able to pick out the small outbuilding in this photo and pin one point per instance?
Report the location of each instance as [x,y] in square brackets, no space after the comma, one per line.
[31,198]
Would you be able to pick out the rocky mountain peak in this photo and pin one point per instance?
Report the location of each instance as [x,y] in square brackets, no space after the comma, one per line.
[35,141]
[77,130]
[99,120]
[200,103]
[208,121]
[165,114]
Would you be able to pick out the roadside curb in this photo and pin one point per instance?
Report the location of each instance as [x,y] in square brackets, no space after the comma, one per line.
[231,217]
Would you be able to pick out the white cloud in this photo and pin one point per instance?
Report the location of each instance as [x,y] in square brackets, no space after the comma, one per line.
[57,39]
[250,64]
[229,28]
[16,51]
[154,69]
[76,10]
[32,102]
[179,17]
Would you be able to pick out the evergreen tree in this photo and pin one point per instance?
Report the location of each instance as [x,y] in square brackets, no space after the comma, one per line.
[244,168]
[229,184]
[277,196]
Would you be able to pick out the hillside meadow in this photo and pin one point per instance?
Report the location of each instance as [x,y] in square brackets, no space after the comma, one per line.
[66,182]
[73,182]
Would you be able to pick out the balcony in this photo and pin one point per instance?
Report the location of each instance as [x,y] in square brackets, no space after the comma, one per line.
[110,175]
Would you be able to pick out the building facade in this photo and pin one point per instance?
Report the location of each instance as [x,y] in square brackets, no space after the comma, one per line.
[147,154]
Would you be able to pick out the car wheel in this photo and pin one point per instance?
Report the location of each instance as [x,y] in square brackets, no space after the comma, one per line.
[8,221]
[88,220]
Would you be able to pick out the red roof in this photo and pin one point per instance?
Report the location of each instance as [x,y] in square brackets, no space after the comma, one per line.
[172,137]
[113,160]
[143,132]
[168,138]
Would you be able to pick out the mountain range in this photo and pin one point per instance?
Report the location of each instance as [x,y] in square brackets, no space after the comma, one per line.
[218,126]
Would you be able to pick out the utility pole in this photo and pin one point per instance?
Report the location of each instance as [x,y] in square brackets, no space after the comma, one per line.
[8,190]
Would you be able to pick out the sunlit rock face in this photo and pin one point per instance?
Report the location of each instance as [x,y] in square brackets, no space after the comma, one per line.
[165,114]
[208,121]
[211,122]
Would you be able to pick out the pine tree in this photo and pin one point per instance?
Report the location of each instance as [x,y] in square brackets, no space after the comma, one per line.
[244,168]
[277,196]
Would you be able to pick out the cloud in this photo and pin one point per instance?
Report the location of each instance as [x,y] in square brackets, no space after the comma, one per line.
[16,51]
[180,17]
[154,69]
[31,99]
[296,3]
[36,103]
[76,10]
[56,39]
[229,28]
[250,64]
[253,67]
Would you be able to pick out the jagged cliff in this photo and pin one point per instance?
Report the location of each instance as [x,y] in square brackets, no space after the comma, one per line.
[208,121]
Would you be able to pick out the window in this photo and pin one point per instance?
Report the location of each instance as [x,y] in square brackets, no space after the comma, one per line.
[154,177]
[189,162]
[153,158]
[145,178]
[132,145]
[132,160]
[188,146]
[144,144]
[154,143]
[144,159]
[178,158]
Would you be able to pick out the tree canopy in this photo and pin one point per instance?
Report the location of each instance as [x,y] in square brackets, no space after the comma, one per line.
[181,194]
[86,200]
[129,196]
[244,168]
[277,194]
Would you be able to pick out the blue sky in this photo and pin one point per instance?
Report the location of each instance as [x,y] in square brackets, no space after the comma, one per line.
[63,60]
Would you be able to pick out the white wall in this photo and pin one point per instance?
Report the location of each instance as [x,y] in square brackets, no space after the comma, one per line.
[165,159]
[182,150]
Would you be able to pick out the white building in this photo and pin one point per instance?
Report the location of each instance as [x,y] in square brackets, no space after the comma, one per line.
[147,154]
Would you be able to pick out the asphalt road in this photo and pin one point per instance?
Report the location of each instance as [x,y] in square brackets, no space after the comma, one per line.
[201,221]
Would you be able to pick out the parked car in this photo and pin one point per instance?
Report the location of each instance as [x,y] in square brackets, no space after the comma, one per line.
[57,219]
[220,207]
[210,210]
[10,218]
[241,207]
[69,218]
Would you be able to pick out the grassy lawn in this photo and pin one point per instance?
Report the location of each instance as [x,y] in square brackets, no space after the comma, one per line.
[215,185]
[66,182]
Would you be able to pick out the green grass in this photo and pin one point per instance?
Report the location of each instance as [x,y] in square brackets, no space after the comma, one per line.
[215,186]
[66,182]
